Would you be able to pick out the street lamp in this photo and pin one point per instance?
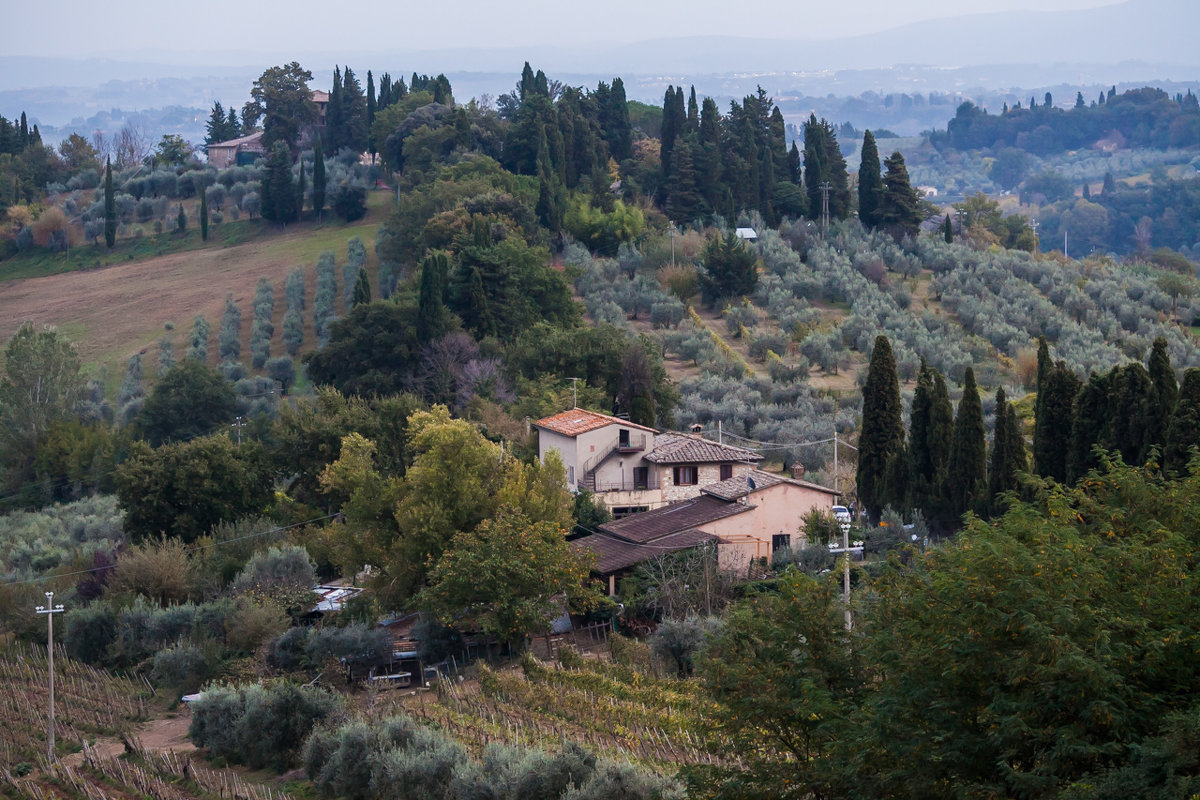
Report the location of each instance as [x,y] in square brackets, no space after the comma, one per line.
[50,610]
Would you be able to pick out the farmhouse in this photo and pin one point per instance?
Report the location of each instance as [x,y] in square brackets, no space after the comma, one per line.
[633,468]
[747,517]
[240,151]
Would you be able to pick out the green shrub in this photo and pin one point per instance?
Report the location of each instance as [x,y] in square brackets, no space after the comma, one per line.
[90,630]
[183,667]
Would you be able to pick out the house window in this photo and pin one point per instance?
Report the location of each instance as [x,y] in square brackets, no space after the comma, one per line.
[685,476]
[780,540]
[726,471]
[623,439]
[641,477]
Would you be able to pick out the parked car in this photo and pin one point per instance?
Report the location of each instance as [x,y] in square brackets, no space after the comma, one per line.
[842,515]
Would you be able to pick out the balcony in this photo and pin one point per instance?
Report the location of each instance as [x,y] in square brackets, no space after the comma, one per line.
[633,483]
[628,443]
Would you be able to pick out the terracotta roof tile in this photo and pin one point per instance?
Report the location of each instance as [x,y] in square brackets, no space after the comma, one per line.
[579,420]
[651,525]
[737,486]
[613,554]
[684,448]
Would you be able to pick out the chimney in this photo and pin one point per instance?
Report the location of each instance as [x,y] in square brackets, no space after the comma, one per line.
[797,471]
[696,427]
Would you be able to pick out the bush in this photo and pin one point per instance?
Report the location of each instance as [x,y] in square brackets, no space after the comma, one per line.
[90,630]
[259,725]
[287,566]
[183,667]
[677,642]
[349,201]
[283,370]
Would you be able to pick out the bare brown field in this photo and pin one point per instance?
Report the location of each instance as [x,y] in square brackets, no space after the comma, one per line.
[114,312]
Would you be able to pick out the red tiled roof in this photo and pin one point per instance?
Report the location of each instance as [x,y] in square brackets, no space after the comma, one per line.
[737,486]
[579,420]
[613,554]
[685,448]
[679,516]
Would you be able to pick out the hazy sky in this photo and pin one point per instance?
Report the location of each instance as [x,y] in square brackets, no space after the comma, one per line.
[124,29]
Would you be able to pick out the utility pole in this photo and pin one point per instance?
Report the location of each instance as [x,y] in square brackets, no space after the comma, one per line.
[50,610]
[1036,241]
[845,550]
[672,244]
[574,392]
[835,464]
[238,424]
[826,187]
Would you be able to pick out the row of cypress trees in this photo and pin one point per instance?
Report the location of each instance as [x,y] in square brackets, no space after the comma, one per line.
[942,464]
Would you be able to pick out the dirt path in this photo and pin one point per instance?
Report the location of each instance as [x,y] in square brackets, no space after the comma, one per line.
[156,736]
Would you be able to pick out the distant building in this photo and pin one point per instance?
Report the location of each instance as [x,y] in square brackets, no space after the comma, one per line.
[240,151]
[746,234]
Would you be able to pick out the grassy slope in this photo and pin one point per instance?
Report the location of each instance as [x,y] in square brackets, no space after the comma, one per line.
[118,310]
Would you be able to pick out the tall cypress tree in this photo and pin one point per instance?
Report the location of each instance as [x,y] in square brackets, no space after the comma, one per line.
[432,314]
[966,477]
[1044,367]
[1164,396]
[278,192]
[882,437]
[947,231]
[362,289]
[919,463]
[1016,442]
[335,114]
[204,216]
[300,187]
[870,182]
[1002,468]
[318,190]
[1053,425]
[110,207]
[1183,434]
[371,108]
[899,206]
[1129,412]
[1090,417]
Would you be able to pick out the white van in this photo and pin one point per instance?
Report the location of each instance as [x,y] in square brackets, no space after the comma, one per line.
[842,514]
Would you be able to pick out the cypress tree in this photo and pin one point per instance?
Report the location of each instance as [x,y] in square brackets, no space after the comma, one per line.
[181,220]
[431,308]
[882,437]
[362,289]
[966,477]
[1016,443]
[619,133]
[300,187]
[1089,418]
[1183,434]
[947,231]
[870,183]
[278,193]
[899,206]
[204,216]
[1164,395]
[1044,366]
[110,207]
[371,107]
[919,463]
[1129,412]
[1053,426]
[335,115]
[1002,468]
[318,188]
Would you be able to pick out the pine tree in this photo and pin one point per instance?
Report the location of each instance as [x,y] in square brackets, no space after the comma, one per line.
[899,205]
[362,289]
[870,183]
[215,128]
[882,437]
[203,216]
[1164,396]
[110,207]
[966,477]
[318,188]
[1183,434]
[233,129]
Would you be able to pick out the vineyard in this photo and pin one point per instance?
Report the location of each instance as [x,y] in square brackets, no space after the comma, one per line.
[620,711]
[90,705]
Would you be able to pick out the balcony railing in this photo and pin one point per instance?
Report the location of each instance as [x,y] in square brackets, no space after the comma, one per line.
[629,484]
[631,444]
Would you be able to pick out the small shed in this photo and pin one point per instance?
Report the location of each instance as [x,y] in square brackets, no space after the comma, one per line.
[746,234]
